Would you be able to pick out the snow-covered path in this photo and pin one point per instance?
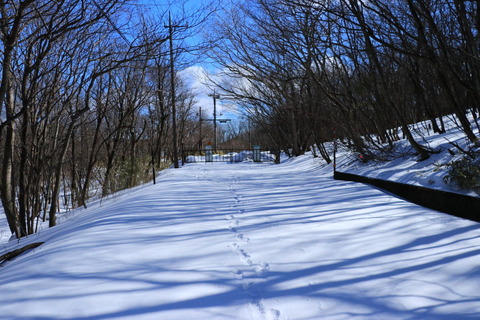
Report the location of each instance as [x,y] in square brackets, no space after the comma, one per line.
[249,241]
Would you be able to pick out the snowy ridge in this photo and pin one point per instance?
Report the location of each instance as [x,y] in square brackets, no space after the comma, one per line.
[249,241]
[407,169]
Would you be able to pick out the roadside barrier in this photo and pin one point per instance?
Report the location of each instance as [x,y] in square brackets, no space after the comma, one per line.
[459,205]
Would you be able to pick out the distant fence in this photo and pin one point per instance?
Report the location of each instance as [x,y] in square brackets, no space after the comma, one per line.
[229,155]
[452,203]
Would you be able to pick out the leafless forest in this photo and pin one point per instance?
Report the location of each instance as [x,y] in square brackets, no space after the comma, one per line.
[86,85]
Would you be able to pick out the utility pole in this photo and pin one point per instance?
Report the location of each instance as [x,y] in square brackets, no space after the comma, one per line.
[172,76]
[215,97]
[250,134]
[200,144]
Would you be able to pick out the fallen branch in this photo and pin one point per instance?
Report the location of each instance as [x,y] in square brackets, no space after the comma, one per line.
[12,254]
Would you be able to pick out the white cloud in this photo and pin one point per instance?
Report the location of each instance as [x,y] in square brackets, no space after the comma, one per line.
[199,80]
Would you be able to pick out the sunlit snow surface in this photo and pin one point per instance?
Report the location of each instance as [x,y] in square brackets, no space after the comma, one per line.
[248,241]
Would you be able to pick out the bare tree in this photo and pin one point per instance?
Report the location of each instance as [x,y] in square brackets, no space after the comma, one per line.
[351,65]
[46,91]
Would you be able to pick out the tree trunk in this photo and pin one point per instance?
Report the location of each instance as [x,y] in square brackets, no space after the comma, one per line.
[8,189]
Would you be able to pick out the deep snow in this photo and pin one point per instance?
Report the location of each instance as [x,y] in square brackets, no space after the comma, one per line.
[407,169]
[248,241]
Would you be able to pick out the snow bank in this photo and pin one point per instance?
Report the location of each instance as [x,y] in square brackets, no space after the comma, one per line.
[249,241]
[407,169]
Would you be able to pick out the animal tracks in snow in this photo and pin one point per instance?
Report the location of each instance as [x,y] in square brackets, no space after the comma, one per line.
[243,255]
[252,272]
[242,237]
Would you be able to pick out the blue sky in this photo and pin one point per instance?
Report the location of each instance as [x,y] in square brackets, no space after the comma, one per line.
[193,72]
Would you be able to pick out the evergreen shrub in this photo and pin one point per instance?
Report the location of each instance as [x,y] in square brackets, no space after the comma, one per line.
[465,173]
